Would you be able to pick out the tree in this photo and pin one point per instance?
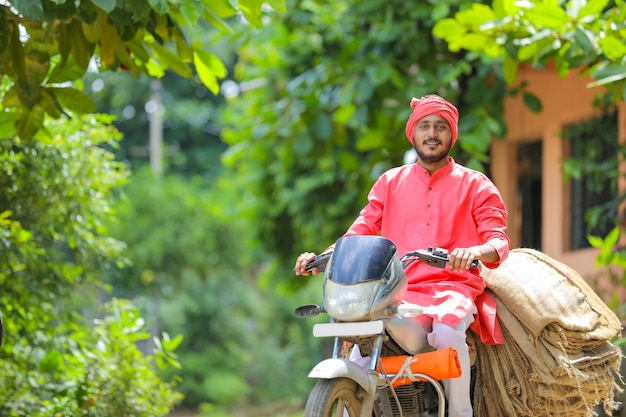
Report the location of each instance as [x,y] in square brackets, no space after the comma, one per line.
[56,201]
[573,34]
[324,100]
[44,45]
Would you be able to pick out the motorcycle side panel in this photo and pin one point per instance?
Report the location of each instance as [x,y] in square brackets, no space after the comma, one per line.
[337,368]
[410,333]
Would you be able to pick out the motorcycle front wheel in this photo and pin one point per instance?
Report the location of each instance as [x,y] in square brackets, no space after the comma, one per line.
[331,397]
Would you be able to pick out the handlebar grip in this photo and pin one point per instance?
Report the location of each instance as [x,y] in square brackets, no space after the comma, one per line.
[319,262]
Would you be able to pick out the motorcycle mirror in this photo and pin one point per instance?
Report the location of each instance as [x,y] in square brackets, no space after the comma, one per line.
[309,310]
[409,310]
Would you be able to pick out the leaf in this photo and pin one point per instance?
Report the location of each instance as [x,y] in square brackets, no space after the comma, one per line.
[613,237]
[7,124]
[108,44]
[51,362]
[322,127]
[370,141]
[449,29]
[17,53]
[612,47]
[562,66]
[93,31]
[583,41]
[74,100]
[68,72]
[608,75]
[532,102]
[474,41]
[509,68]
[154,69]
[50,104]
[209,68]
[278,5]
[548,15]
[609,71]
[344,113]
[476,16]
[170,345]
[527,52]
[28,122]
[30,9]
[215,20]
[171,60]
[378,74]
[348,162]
[592,8]
[139,51]
[160,6]
[191,10]
[251,10]
[107,5]
[221,8]
[440,11]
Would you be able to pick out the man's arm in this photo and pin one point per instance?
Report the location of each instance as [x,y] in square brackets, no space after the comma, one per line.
[461,258]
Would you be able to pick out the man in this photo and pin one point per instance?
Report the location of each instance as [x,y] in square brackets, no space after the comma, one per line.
[437,202]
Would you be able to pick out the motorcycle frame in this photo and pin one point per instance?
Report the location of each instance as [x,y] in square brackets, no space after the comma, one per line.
[370,380]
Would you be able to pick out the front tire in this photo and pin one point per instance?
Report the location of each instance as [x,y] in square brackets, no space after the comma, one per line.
[330,397]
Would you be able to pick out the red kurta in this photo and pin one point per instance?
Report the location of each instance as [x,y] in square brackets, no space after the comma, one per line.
[455,207]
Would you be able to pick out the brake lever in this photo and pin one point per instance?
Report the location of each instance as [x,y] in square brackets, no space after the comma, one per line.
[434,256]
[319,262]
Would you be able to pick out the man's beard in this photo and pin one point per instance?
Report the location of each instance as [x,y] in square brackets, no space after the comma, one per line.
[432,158]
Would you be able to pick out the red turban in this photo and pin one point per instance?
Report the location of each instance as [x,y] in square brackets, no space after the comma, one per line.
[432,104]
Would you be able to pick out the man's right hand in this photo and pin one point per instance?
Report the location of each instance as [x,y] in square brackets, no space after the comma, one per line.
[301,263]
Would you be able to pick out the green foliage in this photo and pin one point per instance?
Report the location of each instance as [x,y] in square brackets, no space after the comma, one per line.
[86,371]
[571,34]
[172,228]
[190,256]
[57,197]
[44,45]
[333,82]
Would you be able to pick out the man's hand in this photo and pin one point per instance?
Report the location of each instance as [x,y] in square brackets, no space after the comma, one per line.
[301,263]
[461,258]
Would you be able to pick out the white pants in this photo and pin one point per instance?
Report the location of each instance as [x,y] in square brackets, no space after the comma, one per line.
[457,390]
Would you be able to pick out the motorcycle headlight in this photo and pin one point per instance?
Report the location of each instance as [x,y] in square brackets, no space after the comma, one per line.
[350,302]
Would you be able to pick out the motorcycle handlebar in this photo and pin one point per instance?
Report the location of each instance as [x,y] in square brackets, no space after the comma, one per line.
[432,256]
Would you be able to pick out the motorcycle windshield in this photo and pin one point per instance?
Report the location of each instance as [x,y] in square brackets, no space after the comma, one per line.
[360,258]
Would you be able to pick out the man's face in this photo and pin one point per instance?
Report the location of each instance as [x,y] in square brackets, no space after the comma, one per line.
[432,139]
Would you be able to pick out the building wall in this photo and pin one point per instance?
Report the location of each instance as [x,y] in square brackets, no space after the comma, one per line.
[565,101]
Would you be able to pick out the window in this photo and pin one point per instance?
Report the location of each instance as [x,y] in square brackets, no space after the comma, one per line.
[529,197]
[593,174]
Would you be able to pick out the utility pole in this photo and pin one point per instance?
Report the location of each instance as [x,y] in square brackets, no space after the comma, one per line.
[154,108]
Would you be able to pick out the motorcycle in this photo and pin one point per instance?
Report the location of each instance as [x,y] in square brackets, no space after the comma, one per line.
[364,286]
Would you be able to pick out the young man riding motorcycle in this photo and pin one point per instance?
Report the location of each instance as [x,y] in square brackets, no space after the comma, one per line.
[439,203]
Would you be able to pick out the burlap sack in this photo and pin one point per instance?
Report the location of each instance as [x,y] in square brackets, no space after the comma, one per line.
[557,359]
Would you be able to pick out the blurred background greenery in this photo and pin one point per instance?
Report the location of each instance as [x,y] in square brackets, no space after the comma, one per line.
[148,251]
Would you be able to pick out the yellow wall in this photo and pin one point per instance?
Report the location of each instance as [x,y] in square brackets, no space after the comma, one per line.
[565,101]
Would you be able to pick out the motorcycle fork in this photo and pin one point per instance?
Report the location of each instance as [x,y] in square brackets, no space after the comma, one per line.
[369,397]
